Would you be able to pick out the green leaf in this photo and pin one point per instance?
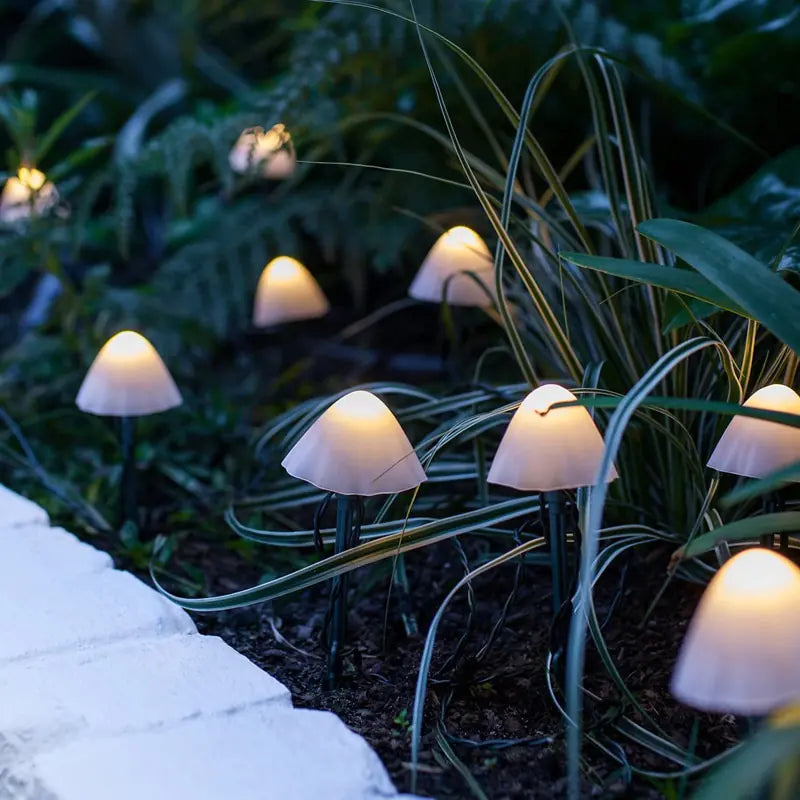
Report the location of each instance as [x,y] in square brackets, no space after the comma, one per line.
[769,483]
[11,275]
[742,529]
[746,771]
[682,281]
[61,123]
[363,554]
[744,279]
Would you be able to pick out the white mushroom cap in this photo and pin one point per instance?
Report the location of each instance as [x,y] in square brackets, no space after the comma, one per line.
[756,447]
[280,165]
[741,654]
[28,194]
[456,252]
[271,152]
[544,449]
[356,447]
[127,379]
[287,291]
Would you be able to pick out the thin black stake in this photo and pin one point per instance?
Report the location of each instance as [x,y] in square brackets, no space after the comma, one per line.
[347,519]
[557,539]
[768,507]
[128,504]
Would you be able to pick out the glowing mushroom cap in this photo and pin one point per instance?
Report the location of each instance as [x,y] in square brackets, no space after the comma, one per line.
[287,291]
[356,447]
[443,272]
[544,449]
[756,447]
[742,650]
[270,151]
[280,165]
[127,379]
[28,194]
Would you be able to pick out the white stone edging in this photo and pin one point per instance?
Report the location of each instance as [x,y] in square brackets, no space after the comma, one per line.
[108,691]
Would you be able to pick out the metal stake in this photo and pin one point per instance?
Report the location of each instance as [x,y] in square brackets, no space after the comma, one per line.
[768,507]
[558,547]
[128,504]
[345,517]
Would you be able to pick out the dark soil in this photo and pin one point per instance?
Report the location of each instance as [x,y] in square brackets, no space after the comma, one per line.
[498,699]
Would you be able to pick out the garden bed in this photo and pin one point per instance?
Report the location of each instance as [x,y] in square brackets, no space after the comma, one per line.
[500,699]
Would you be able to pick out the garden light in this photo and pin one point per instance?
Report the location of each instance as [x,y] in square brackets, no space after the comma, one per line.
[287,291]
[742,650]
[270,152]
[550,450]
[355,449]
[128,379]
[28,194]
[444,272]
[754,448]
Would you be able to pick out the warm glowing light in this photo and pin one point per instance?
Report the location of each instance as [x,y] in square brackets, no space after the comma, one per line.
[127,346]
[741,651]
[360,408]
[356,447]
[444,271]
[28,194]
[756,447]
[127,379]
[31,177]
[546,449]
[280,165]
[272,152]
[287,291]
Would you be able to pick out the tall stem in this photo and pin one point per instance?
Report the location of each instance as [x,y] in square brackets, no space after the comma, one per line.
[558,547]
[128,504]
[345,513]
[768,507]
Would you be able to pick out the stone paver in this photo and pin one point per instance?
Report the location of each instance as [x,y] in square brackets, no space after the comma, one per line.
[16,510]
[294,754]
[83,611]
[107,690]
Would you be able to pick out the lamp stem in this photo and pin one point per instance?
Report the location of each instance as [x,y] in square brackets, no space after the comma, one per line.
[128,503]
[784,536]
[557,537]
[768,507]
[345,515]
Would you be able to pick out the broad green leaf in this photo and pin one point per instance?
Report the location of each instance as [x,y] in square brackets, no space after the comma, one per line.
[744,279]
[761,214]
[742,529]
[678,313]
[769,483]
[683,281]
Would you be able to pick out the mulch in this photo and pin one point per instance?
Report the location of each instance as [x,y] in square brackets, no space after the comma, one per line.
[498,716]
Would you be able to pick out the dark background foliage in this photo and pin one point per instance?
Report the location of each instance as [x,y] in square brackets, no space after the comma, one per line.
[145,99]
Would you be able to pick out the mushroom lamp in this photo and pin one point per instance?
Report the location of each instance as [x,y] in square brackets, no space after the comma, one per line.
[270,152]
[28,194]
[287,291]
[741,652]
[754,448]
[550,450]
[355,449]
[127,379]
[444,273]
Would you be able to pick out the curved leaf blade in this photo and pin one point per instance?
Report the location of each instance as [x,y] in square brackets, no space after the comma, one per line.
[682,281]
[749,283]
